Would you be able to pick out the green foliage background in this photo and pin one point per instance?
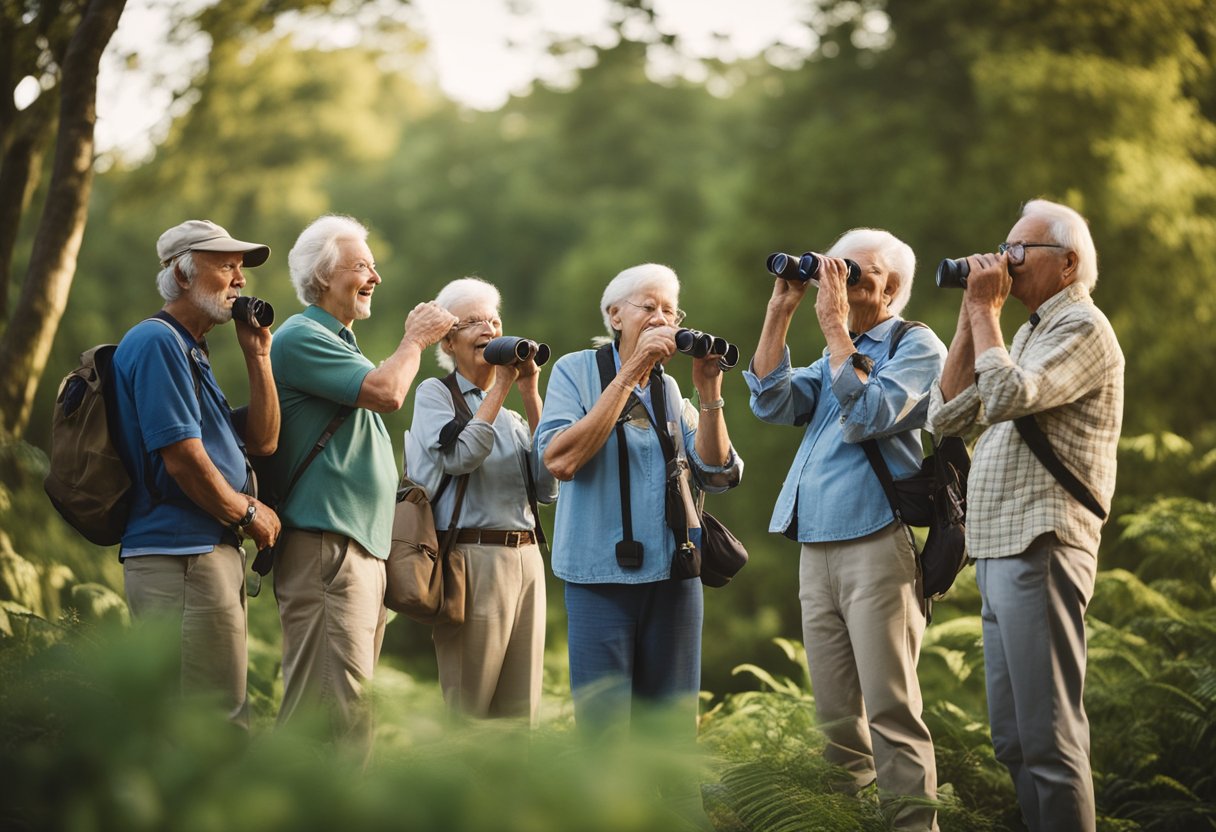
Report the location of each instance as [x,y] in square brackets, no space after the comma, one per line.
[936,127]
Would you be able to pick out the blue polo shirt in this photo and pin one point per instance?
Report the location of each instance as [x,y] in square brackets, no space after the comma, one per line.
[156,406]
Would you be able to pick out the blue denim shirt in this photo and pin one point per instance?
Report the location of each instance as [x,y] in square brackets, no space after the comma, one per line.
[831,486]
[588,524]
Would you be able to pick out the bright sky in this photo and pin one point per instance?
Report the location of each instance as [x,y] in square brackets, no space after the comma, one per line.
[480,51]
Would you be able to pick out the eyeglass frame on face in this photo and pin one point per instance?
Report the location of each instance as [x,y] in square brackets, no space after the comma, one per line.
[650,308]
[361,266]
[1016,257]
[492,323]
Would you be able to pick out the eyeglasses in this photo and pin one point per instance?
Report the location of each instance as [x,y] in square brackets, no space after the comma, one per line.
[675,317]
[1017,251]
[493,323]
[361,267]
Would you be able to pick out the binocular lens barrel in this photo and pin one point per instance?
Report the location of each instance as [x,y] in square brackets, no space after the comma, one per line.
[805,268]
[252,311]
[700,344]
[952,274]
[509,349]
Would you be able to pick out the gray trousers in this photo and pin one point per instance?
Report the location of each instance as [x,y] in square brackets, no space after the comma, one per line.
[862,623]
[1034,656]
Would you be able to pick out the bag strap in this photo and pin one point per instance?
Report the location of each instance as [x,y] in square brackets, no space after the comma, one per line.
[448,435]
[1032,434]
[607,369]
[264,561]
[870,446]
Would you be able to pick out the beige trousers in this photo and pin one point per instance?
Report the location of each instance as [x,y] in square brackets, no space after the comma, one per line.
[204,596]
[491,665]
[862,623]
[331,605]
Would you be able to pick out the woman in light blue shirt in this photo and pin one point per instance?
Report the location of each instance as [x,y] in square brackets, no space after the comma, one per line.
[634,629]
[862,612]
[492,664]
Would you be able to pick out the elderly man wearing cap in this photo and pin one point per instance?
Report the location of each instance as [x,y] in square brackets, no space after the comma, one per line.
[181,554]
[338,517]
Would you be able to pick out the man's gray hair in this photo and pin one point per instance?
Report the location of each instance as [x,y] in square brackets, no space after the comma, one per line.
[1067,228]
[167,284]
[895,254]
[457,292]
[633,280]
[312,259]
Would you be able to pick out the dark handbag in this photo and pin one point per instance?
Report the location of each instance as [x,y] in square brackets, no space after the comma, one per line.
[722,555]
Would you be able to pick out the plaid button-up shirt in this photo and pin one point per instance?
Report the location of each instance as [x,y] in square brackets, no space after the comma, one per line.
[1067,369]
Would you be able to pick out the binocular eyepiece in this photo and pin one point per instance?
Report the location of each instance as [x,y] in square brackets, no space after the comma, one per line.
[252,311]
[806,267]
[700,344]
[508,349]
[952,274]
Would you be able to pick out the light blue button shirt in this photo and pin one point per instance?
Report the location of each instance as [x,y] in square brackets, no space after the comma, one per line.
[495,454]
[831,487]
[588,524]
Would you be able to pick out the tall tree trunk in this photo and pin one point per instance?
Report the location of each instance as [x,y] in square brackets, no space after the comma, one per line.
[27,341]
[20,170]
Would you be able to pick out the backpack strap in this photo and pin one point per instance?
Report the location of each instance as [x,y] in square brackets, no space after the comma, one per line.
[1040,445]
[628,551]
[870,446]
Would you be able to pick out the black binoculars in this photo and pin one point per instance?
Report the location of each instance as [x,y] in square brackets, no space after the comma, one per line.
[252,311]
[806,267]
[700,344]
[508,349]
[952,274]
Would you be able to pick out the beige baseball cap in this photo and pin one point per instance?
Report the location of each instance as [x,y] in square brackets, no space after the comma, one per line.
[204,235]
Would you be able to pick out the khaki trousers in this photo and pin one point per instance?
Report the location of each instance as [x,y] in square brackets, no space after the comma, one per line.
[204,597]
[492,664]
[862,624]
[331,605]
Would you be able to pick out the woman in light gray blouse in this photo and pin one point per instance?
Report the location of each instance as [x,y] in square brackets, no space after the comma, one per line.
[491,665]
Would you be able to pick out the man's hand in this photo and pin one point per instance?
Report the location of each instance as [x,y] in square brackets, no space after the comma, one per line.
[265,528]
[254,340]
[427,323]
[988,284]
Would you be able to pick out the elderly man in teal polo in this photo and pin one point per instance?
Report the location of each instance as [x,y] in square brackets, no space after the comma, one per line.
[338,515]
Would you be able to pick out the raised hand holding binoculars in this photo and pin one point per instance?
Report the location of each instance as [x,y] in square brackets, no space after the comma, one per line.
[700,344]
[805,268]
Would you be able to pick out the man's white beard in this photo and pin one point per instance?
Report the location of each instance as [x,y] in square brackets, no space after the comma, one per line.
[212,305]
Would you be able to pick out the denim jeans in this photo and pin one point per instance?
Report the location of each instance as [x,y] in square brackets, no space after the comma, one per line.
[634,643]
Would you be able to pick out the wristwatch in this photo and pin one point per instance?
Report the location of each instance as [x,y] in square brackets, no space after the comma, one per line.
[862,362]
[250,513]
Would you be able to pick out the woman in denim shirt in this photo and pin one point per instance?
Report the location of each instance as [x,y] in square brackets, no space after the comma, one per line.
[862,613]
[634,631]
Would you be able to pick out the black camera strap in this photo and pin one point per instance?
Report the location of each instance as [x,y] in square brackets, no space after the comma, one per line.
[870,446]
[629,551]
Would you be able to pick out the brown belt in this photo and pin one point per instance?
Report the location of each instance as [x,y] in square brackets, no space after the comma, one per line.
[495,537]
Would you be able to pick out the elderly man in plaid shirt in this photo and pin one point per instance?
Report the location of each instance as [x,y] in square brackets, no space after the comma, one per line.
[1034,543]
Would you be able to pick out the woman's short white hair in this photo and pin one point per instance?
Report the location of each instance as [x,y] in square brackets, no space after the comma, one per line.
[1068,228]
[895,254]
[313,257]
[167,284]
[458,292]
[633,280]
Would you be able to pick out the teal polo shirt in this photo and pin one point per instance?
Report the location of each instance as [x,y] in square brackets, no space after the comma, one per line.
[350,488]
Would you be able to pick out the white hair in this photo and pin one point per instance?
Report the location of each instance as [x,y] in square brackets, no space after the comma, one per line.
[313,257]
[895,254]
[166,282]
[633,280]
[1067,228]
[457,292]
